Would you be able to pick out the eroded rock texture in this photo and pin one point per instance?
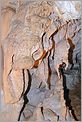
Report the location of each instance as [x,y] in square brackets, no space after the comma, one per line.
[41,53]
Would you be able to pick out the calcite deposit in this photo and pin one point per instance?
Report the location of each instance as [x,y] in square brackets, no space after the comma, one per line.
[40,59]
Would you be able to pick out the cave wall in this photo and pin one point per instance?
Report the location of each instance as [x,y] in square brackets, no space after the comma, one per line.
[37,37]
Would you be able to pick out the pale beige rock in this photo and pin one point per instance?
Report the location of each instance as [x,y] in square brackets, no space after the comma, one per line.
[42,9]
[7,14]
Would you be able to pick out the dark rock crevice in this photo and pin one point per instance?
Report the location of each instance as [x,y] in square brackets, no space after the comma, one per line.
[49,74]
[70,52]
[25,94]
[66,95]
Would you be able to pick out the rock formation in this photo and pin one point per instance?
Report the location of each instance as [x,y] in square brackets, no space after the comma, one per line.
[40,47]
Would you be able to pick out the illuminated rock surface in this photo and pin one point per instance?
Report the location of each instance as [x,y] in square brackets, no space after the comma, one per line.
[36,38]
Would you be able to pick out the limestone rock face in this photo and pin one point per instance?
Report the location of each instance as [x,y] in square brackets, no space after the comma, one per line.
[37,37]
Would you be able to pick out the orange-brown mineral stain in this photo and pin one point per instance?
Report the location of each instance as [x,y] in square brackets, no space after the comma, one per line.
[36,63]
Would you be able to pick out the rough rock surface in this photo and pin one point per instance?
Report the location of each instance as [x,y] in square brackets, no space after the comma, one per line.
[37,37]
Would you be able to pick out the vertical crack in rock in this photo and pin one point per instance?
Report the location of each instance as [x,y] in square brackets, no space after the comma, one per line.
[40,85]
[42,111]
[25,94]
[70,52]
[54,33]
[11,67]
[23,83]
[76,58]
[49,73]
[66,95]
[53,46]
[58,118]
[52,49]
[29,83]
[43,39]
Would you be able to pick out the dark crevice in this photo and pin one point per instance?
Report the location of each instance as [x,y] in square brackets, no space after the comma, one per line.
[12,64]
[76,58]
[53,46]
[70,53]
[29,83]
[25,95]
[58,118]
[25,102]
[49,73]
[12,58]
[40,85]
[66,96]
[42,111]
[61,68]
[23,83]
[54,33]
[10,71]
[43,39]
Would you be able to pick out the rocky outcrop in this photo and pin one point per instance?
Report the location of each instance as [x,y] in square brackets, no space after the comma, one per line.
[38,38]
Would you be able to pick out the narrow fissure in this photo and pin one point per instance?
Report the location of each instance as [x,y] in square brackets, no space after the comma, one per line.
[42,111]
[66,96]
[43,40]
[40,85]
[49,74]
[23,83]
[70,52]
[76,58]
[53,47]
[25,94]
[54,33]
[11,67]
